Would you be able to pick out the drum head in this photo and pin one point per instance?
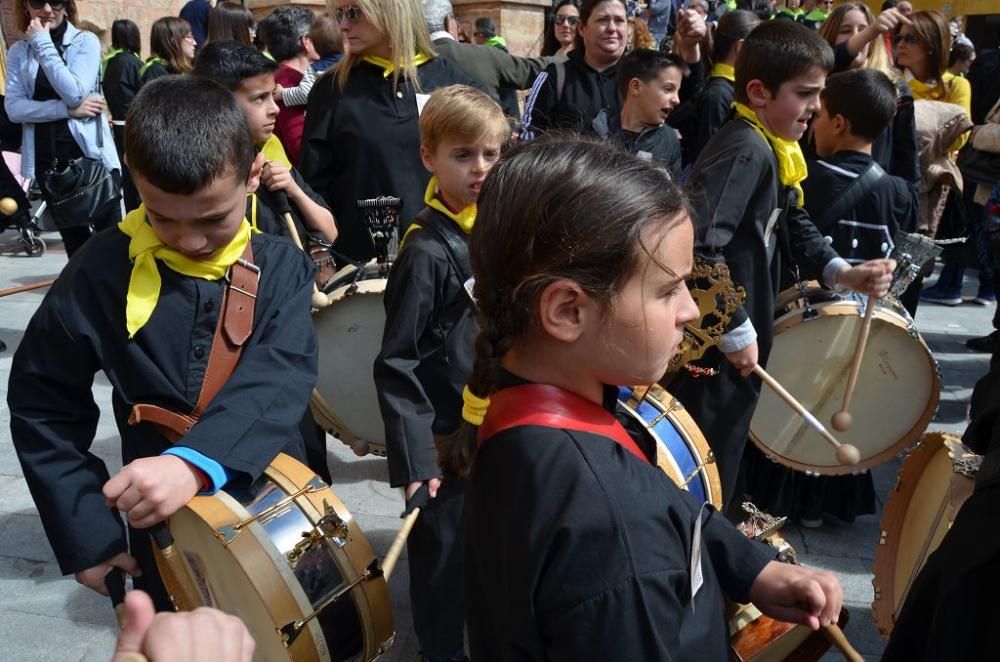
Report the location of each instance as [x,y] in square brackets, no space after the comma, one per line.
[919,512]
[682,451]
[894,399]
[350,331]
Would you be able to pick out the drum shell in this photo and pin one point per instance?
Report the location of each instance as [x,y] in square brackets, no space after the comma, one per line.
[930,490]
[250,574]
[814,343]
[349,331]
[682,451]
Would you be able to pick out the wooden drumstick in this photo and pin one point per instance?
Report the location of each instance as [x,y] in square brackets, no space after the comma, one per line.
[26,288]
[846,453]
[842,420]
[396,548]
[319,300]
[838,639]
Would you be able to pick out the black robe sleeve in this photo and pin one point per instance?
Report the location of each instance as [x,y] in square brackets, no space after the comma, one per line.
[413,293]
[542,107]
[809,248]
[713,108]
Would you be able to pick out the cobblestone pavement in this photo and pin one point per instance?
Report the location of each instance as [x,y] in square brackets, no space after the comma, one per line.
[44,616]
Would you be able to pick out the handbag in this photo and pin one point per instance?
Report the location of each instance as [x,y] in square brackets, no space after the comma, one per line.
[81,189]
[979,166]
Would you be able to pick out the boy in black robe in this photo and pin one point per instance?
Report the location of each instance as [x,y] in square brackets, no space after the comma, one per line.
[427,352]
[141,302]
[747,198]
[648,84]
[858,208]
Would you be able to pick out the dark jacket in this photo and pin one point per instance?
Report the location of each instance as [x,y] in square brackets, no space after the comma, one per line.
[364,142]
[427,347]
[196,13]
[658,144]
[254,416]
[154,70]
[121,83]
[585,92]
[713,108]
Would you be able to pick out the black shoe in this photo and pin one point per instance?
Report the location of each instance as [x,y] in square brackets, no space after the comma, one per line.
[985,344]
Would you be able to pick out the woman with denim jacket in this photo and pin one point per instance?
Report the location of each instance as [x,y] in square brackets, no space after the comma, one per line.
[53,92]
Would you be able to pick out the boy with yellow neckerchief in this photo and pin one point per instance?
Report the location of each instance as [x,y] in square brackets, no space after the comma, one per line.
[428,351]
[747,199]
[156,303]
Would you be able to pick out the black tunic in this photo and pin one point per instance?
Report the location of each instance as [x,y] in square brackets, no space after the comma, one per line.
[79,329]
[364,142]
[427,350]
[735,192]
[578,550]
[891,204]
[121,83]
[714,106]
[657,144]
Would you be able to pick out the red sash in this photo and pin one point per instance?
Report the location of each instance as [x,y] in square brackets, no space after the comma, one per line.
[552,407]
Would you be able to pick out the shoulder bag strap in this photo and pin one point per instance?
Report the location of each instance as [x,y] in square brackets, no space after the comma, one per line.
[852,195]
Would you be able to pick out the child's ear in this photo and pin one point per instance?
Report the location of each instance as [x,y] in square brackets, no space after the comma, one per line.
[739,45]
[841,125]
[253,182]
[427,158]
[563,310]
[757,93]
[634,87]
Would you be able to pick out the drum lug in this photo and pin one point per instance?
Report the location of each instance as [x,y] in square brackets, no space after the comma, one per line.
[290,631]
[330,528]
[227,533]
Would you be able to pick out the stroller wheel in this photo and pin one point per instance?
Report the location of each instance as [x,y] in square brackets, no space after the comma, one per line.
[32,245]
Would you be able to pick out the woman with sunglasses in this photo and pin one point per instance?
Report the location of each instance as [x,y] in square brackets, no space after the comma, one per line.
[53,92]
[559,38]
[361,139]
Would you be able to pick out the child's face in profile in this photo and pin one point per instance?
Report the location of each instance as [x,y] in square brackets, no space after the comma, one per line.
[255,96]
[461,166]
[198,224]
[787,112]
[656,99]
[646,322]
[824,133]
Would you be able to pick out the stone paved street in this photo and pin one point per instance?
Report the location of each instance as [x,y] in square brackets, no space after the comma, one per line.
[44,616]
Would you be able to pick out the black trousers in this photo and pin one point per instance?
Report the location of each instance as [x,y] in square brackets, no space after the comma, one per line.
[435,550]
[952,609]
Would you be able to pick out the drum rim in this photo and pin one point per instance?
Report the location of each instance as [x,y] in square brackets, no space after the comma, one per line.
[689,431]
[843,308]
[894,517]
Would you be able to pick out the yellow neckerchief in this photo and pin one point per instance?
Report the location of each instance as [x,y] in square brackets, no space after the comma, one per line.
[273,150]
[388,67]
[253,212]
[723,70]
[929,90]
[464,219]
[791,162]
[146,248]
[150,62]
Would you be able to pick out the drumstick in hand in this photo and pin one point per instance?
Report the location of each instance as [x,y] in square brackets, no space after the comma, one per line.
[836,637]
[396,548]
[319,300]
[842,420]
[846,453]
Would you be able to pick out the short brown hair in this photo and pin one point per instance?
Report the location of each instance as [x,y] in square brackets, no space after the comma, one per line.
[325,35]
[775,52]
[21,18]
[462,111]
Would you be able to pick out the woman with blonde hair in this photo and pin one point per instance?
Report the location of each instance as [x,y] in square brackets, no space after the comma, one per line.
[361,138]
[172,47]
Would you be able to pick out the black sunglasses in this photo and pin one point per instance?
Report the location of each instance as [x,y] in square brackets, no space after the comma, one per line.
[56,5]
[560,19]
[906,39]
[353,14]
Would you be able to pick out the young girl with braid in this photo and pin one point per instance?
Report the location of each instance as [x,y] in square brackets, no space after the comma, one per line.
[577,545]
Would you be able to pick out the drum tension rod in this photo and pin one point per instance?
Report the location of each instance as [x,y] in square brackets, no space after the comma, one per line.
[228,532]
[709,459]
[290,632]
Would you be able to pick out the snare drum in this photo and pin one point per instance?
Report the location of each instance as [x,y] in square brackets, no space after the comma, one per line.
[934,481]
[349,331]
[814,340]
[681,449]
[287,558]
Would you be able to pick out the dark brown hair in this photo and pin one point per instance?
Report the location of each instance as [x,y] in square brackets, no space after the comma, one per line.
[775,52]
[586,9]
[325,35]
[21,18]
[165,39]
[554,209]
[230,21]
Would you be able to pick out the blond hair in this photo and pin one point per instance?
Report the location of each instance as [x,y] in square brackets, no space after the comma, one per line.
[877,57]
[403,27]
[460,111]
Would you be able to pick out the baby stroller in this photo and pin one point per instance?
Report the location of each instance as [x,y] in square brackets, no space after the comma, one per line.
[15,208]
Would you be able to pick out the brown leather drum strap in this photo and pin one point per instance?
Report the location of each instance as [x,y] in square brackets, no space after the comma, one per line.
[233,330]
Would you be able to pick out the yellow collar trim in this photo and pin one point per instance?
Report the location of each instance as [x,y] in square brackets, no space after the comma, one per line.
[273,150]
[723,70]
[145,248]
[791,162]
[464,219]
[388,67]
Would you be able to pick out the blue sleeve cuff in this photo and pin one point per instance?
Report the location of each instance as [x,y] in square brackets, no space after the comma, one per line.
[217,474]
